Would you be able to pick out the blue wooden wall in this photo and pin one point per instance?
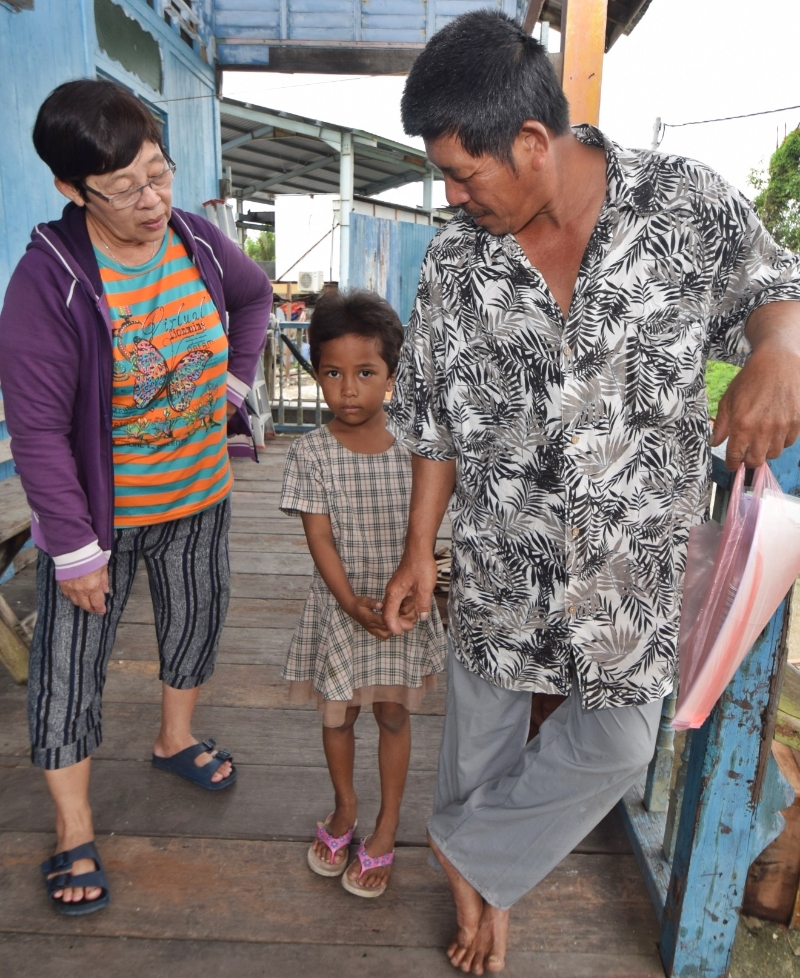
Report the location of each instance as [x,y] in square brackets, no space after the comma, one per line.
[55,42]
[386,22]
[341,20]
[386,257]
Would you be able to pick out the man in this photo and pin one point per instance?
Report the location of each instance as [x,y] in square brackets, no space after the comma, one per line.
[552,389]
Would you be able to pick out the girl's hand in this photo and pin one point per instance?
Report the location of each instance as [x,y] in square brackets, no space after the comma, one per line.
[368,612]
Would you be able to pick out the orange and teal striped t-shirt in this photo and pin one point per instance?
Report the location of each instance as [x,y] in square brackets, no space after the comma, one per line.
[169,400]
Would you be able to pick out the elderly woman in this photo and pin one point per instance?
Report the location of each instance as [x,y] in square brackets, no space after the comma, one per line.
[130,333]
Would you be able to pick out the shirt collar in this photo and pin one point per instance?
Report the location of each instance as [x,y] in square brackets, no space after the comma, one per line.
[632,178]
[632,175]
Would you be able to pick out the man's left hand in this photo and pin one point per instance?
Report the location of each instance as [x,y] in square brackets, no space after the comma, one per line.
[760,412]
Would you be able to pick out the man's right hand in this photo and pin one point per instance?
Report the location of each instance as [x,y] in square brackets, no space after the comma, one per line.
[414,579]
[88,592]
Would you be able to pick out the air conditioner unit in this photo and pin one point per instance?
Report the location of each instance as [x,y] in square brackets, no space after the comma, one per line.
[310,281]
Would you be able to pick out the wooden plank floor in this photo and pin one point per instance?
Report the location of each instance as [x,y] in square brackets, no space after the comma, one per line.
[215,885]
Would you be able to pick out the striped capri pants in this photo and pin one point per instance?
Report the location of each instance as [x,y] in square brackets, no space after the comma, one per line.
[189,574]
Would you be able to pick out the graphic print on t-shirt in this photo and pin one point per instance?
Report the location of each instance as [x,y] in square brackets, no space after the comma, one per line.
[168,405]
[163,390]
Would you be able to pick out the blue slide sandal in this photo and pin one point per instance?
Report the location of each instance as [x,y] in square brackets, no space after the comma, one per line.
[61,864]
[183,765]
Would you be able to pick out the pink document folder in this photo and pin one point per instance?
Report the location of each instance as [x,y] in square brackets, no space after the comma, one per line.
[736,576]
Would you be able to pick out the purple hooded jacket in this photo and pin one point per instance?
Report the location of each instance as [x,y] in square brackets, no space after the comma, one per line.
[56,373]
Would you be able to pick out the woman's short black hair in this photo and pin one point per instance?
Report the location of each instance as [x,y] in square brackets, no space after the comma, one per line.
[92,126]
[363,313]
[479,79]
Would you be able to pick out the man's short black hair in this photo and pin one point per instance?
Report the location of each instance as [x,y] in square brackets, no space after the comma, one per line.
[90,126]
[479,79]
[363,313]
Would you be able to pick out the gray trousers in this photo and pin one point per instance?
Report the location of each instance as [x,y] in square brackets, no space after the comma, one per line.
[507,812]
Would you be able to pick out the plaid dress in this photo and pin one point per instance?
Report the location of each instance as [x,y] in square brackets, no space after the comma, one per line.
[331,657]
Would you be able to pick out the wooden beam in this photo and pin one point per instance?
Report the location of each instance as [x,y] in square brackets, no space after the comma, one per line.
[731,801]
[532,15]
[787,727]
[13,644]
[583,40]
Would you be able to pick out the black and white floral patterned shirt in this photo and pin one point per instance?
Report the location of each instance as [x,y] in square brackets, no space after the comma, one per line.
[582,446]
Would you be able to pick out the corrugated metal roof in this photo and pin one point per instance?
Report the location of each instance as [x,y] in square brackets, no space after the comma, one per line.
[273,152]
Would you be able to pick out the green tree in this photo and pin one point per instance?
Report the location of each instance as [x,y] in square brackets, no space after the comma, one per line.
[261,248]
[718,377]
[778,192]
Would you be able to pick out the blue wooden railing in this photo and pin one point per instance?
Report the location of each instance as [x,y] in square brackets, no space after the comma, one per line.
[697,826]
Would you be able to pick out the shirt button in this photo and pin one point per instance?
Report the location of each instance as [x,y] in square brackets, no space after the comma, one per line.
[575,531]
[575,439]
[571,609]
[567,351]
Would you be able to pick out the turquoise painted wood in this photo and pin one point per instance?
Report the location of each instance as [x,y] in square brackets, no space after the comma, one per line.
[381,23]
[731,803]
[386,257]
[44,46]
[57,41]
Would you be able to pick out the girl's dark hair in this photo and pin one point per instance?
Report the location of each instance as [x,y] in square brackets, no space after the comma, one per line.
[89,127]
[479,79]
[363,313]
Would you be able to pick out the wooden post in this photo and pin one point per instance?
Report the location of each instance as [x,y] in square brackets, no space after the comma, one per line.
[731,802]
[13,644]
[583,43]
[532,15]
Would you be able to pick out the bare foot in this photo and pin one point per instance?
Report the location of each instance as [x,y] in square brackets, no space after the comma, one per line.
[469,912]
[489,946]
[342,820]
[378,844]
[164,749]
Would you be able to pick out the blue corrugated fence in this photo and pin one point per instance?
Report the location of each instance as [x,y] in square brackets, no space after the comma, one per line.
[386,257]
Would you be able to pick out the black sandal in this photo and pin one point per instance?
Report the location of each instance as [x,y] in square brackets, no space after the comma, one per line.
[61,864]
[184,766]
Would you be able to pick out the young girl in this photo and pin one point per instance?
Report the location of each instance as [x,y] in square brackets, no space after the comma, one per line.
[351,483]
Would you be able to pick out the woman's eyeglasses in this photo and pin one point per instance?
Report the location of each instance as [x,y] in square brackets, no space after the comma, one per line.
[130,197]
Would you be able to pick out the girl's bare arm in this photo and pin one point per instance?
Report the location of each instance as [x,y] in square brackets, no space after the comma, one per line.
[319,535]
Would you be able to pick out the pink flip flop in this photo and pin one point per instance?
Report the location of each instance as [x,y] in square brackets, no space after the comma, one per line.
[327,867]
[367,862]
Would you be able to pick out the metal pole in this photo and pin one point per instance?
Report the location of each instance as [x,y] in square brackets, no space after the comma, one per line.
[279,348]
[346,172]
[656,134]
[427,191]
[300,412]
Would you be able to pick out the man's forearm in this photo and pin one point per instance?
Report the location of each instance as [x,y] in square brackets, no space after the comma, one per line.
[775,323]
[759,414]
[432,487]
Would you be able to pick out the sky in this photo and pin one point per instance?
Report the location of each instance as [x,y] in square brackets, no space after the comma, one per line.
[687,60]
